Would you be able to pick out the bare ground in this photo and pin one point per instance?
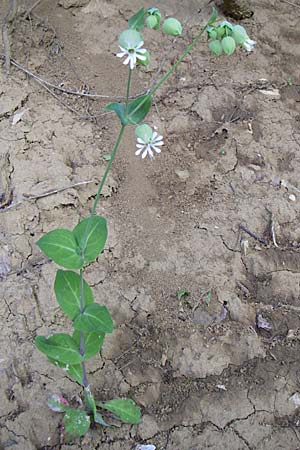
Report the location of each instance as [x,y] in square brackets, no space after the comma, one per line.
[231,159]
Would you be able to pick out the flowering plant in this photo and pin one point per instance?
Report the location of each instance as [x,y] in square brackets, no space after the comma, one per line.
[74,249]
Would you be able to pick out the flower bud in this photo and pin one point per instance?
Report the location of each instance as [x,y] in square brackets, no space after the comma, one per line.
[152,22]
[220,32]
[215,47]
[144,132]
[155,12]
[239,34]
[228,45]
[129,39]
[147,60]
[172,27]
[213,34]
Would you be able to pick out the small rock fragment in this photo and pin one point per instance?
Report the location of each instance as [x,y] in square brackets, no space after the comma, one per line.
[145,447]
[262,323]
[73,3]
[292,197]
[183,175]
[295,398]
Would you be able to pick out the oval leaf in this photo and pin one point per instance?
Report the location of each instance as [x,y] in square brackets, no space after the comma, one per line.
[67,291]
[60,347]
[138,109]
[76,422]
[92,342]
[73,370]
[136,22]
[125,409]
[60,245]
[94,319]
[91,235]
[119,109]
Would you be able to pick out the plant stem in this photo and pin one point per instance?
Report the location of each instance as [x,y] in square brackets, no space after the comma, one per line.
[179,60]
[114,151]
[82,349]
[128,88]
[172,68]
[113,154]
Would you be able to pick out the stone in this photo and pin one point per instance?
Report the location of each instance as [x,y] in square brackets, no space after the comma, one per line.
[148,427]
[73,3]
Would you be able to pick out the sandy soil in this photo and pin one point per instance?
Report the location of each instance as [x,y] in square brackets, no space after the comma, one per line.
[206,375]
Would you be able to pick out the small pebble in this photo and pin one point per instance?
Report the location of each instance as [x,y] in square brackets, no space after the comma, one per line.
[292,197]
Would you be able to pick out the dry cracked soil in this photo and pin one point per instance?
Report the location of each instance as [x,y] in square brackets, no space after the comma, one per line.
[216,213]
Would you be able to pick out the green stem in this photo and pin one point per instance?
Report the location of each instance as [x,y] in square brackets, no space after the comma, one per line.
[128,89]
[179,60]
[82,349]
[172,68]
[113,154]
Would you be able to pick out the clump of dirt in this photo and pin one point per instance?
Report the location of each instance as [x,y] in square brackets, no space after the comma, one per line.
[216,213]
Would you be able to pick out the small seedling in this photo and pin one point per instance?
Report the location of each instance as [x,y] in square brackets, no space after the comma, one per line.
[75,249]
[183,296]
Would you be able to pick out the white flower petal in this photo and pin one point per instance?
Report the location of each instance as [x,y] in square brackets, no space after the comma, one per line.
[156,149]
[150,152]
[123,49]
[141,141]
[126,60]
[140,44]
[158,143]
[158,138]
[141,50]
[141,57]
[120,55]
[140,145]
[138,152]
[145,153]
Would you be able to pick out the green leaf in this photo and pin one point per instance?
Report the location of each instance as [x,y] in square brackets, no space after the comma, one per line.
[94,319]
[213,16]
[99,419]
[119,109]
[60,347]
[92,342]
[125,409]
[138,109]
[67,291]
[73,370]
[90,402]
[107,157]
[60,246]
[76,422]
[91,235]
[136,22]
[182,294]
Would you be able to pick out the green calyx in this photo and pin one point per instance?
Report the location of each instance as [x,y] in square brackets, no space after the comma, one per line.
[152,22]
[146,62]
[228,45]
[130,39]
[144,132]
[172,27]
[239,34]
[216,47]
[154,18]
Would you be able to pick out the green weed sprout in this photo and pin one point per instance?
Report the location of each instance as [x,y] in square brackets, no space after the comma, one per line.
[74,249]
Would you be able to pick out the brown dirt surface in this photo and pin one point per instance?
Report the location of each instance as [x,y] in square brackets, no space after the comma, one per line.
[204,373]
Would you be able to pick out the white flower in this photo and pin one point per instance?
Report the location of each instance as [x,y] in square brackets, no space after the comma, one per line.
[146,146]
[132,54]
[249,44]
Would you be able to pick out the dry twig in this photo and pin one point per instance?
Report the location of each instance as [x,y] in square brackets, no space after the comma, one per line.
[8,20]
[29,10]
[290,3]
[27,198]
